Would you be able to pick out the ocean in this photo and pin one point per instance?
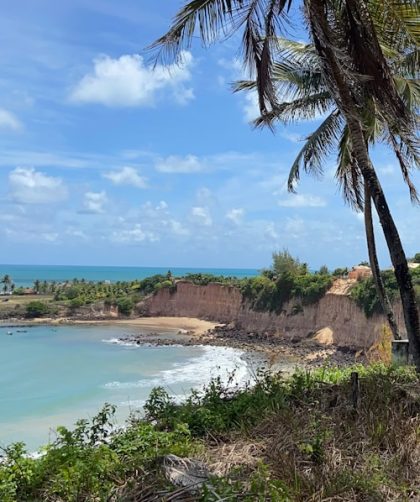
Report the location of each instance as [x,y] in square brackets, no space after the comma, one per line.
[54,375]
[25,275]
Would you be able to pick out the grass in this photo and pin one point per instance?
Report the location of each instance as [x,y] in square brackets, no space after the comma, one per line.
[16,306]
[285,439]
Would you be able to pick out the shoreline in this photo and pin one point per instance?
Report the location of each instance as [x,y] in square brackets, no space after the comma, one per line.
[193,331]
[190,325]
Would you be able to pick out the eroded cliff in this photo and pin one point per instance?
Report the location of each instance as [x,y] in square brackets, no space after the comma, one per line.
[335,313]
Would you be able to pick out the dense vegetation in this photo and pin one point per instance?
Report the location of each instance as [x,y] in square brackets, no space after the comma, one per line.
[364,292]
[292,439]
[287,280]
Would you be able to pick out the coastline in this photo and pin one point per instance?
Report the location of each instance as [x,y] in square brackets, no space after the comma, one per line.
[188,324]
[276,350]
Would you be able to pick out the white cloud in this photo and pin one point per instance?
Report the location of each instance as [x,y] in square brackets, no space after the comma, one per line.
[202,216]
[94,202]
[79,234]
[28,186]
[294,227]
[270,232]
[302,200]
[251,107]
[178,228]
[387,170]
[134,235]
[50,236]
[9,121]
[185,164]
[176,164]
[128,81]
[127,176]
[235,215]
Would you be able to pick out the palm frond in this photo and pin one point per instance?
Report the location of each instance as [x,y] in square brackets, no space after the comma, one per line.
[396,22]
[348,174]
[215,19]
[212,19]
[404,161]
[310,107]
[317,147]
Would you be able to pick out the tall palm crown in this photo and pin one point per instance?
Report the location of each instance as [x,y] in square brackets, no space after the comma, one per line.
[356,29]
[298,83]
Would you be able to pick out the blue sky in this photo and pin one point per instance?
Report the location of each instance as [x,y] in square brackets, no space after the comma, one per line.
[105,160]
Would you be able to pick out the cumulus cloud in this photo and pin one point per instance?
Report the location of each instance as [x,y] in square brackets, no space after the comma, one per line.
[270,232]
[94,202]
[28,186]
[134,235]
[251,107]
[127,176]
[178,228]
[202,216]
[9,121]
[129,82]
[302,200]
[182,165]
[235,215]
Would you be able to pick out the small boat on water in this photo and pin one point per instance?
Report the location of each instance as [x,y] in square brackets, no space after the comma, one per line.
[9,333]
[21,331]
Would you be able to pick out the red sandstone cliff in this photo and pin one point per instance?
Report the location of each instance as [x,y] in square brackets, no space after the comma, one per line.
[225,304]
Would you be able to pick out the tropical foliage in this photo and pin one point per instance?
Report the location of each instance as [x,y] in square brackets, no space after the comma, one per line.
[309,417]
[365,295]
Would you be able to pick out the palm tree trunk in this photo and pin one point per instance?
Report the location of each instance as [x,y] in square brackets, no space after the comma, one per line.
[396,251]
[342,92]
[374,265]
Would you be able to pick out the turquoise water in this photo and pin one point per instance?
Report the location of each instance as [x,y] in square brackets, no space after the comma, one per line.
[52,376]
[25,275]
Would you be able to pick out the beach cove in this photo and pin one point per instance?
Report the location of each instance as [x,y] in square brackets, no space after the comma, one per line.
[54,373]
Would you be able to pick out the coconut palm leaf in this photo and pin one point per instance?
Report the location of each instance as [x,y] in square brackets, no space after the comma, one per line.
[396,22]
[317,147]
[261,21]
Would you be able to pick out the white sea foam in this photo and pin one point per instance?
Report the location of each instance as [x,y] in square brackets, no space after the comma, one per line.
[122,343]
[213,362]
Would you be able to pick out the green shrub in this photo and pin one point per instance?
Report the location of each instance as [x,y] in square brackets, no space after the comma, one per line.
[19,291]
[36,309]
[125,305]
[76,303]
[365,295]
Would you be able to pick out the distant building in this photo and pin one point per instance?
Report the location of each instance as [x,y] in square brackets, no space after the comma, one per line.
[413,265]
[360,272]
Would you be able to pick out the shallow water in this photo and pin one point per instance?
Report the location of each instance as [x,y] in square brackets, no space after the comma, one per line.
[52,376]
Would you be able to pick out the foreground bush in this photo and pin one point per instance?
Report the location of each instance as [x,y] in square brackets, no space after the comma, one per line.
[284,439]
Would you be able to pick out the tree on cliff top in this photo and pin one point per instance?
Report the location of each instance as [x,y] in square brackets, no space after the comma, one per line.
[285,263]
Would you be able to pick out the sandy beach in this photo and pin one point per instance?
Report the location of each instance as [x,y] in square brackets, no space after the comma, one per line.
[196,327]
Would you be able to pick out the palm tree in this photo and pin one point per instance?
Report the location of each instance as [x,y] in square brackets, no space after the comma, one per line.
[346,37]
[6,281]
[297,74]
[37,286]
